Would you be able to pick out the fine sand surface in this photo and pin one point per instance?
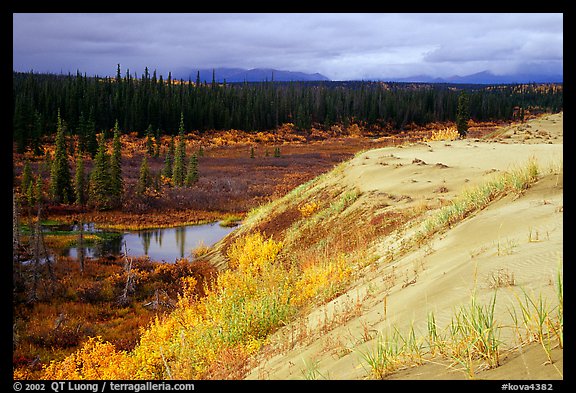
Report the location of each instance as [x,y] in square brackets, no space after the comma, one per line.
[515,244]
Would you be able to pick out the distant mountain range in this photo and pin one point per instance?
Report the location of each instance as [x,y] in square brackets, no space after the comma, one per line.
[231,75]
[484,77]
[234,75]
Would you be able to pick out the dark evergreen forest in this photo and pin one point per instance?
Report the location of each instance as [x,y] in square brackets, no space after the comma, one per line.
[90,104]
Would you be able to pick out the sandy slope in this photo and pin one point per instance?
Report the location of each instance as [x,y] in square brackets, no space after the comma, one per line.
[516,241]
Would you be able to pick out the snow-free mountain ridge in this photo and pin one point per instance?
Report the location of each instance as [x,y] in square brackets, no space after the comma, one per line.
[235,75]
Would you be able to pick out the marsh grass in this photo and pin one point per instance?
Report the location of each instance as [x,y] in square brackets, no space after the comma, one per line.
[433,339]
[315,216]
[231,220]
[257,214]
[412,346]
[559,332]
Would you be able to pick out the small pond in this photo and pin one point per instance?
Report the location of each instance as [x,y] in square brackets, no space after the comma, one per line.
[165,244]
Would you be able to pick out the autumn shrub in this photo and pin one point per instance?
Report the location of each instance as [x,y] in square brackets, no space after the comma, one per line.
[354,130]
[444,134]
[49,333]
[241,307]
[322,281]
[95,360]
[309,208]
[200,250]
[251,253]
[213,335]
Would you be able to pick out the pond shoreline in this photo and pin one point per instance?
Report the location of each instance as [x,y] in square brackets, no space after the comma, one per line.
[117,220]
[165,244]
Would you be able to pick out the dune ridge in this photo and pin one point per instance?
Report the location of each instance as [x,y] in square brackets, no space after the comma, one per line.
[511,249]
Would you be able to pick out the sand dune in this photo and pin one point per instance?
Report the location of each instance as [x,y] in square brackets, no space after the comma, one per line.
[513,245]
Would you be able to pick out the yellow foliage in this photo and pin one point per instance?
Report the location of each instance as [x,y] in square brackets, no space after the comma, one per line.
[309,209]
[354,130]
[252,253]
[188,285]
[445,134]
[212,336]
[155,341]
[336,129]
[236,314]
[322,281]
[167,181]
[286,128]
[21,374]
[200,250]
[95,360]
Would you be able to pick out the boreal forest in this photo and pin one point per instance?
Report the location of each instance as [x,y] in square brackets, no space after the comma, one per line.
[152,103]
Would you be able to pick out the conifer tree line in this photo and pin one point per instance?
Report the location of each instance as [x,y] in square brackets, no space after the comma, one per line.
[152,105]
[103,187]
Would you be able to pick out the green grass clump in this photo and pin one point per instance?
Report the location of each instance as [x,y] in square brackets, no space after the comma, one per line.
[472,340]
[475,334]
[385,357]
[231,220]
[540,321]
[480,196]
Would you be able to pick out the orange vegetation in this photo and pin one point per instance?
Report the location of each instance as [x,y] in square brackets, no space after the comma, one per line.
[74,303]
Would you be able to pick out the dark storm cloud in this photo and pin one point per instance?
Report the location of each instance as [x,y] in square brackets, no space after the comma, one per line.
[341,46]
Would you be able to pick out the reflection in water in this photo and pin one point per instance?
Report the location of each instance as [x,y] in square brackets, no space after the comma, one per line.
[166,244]
[112,246]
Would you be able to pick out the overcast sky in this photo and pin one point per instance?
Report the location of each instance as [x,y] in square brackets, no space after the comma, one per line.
[341,46]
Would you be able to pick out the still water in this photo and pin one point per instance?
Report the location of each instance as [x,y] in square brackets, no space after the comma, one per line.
[166,244]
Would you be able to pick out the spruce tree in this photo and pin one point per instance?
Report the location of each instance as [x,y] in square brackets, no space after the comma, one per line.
[80,179]
[90,132]
[179,169]
[46,165]
[31,194]
[157,145]
[169,159]
[463,114]
[26,177]
[82,137]
[60,178]
[36,134]
[144,179]
[149,141]
[116,167]
[99,186]
[38,196]
[192,173]
[19,126]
